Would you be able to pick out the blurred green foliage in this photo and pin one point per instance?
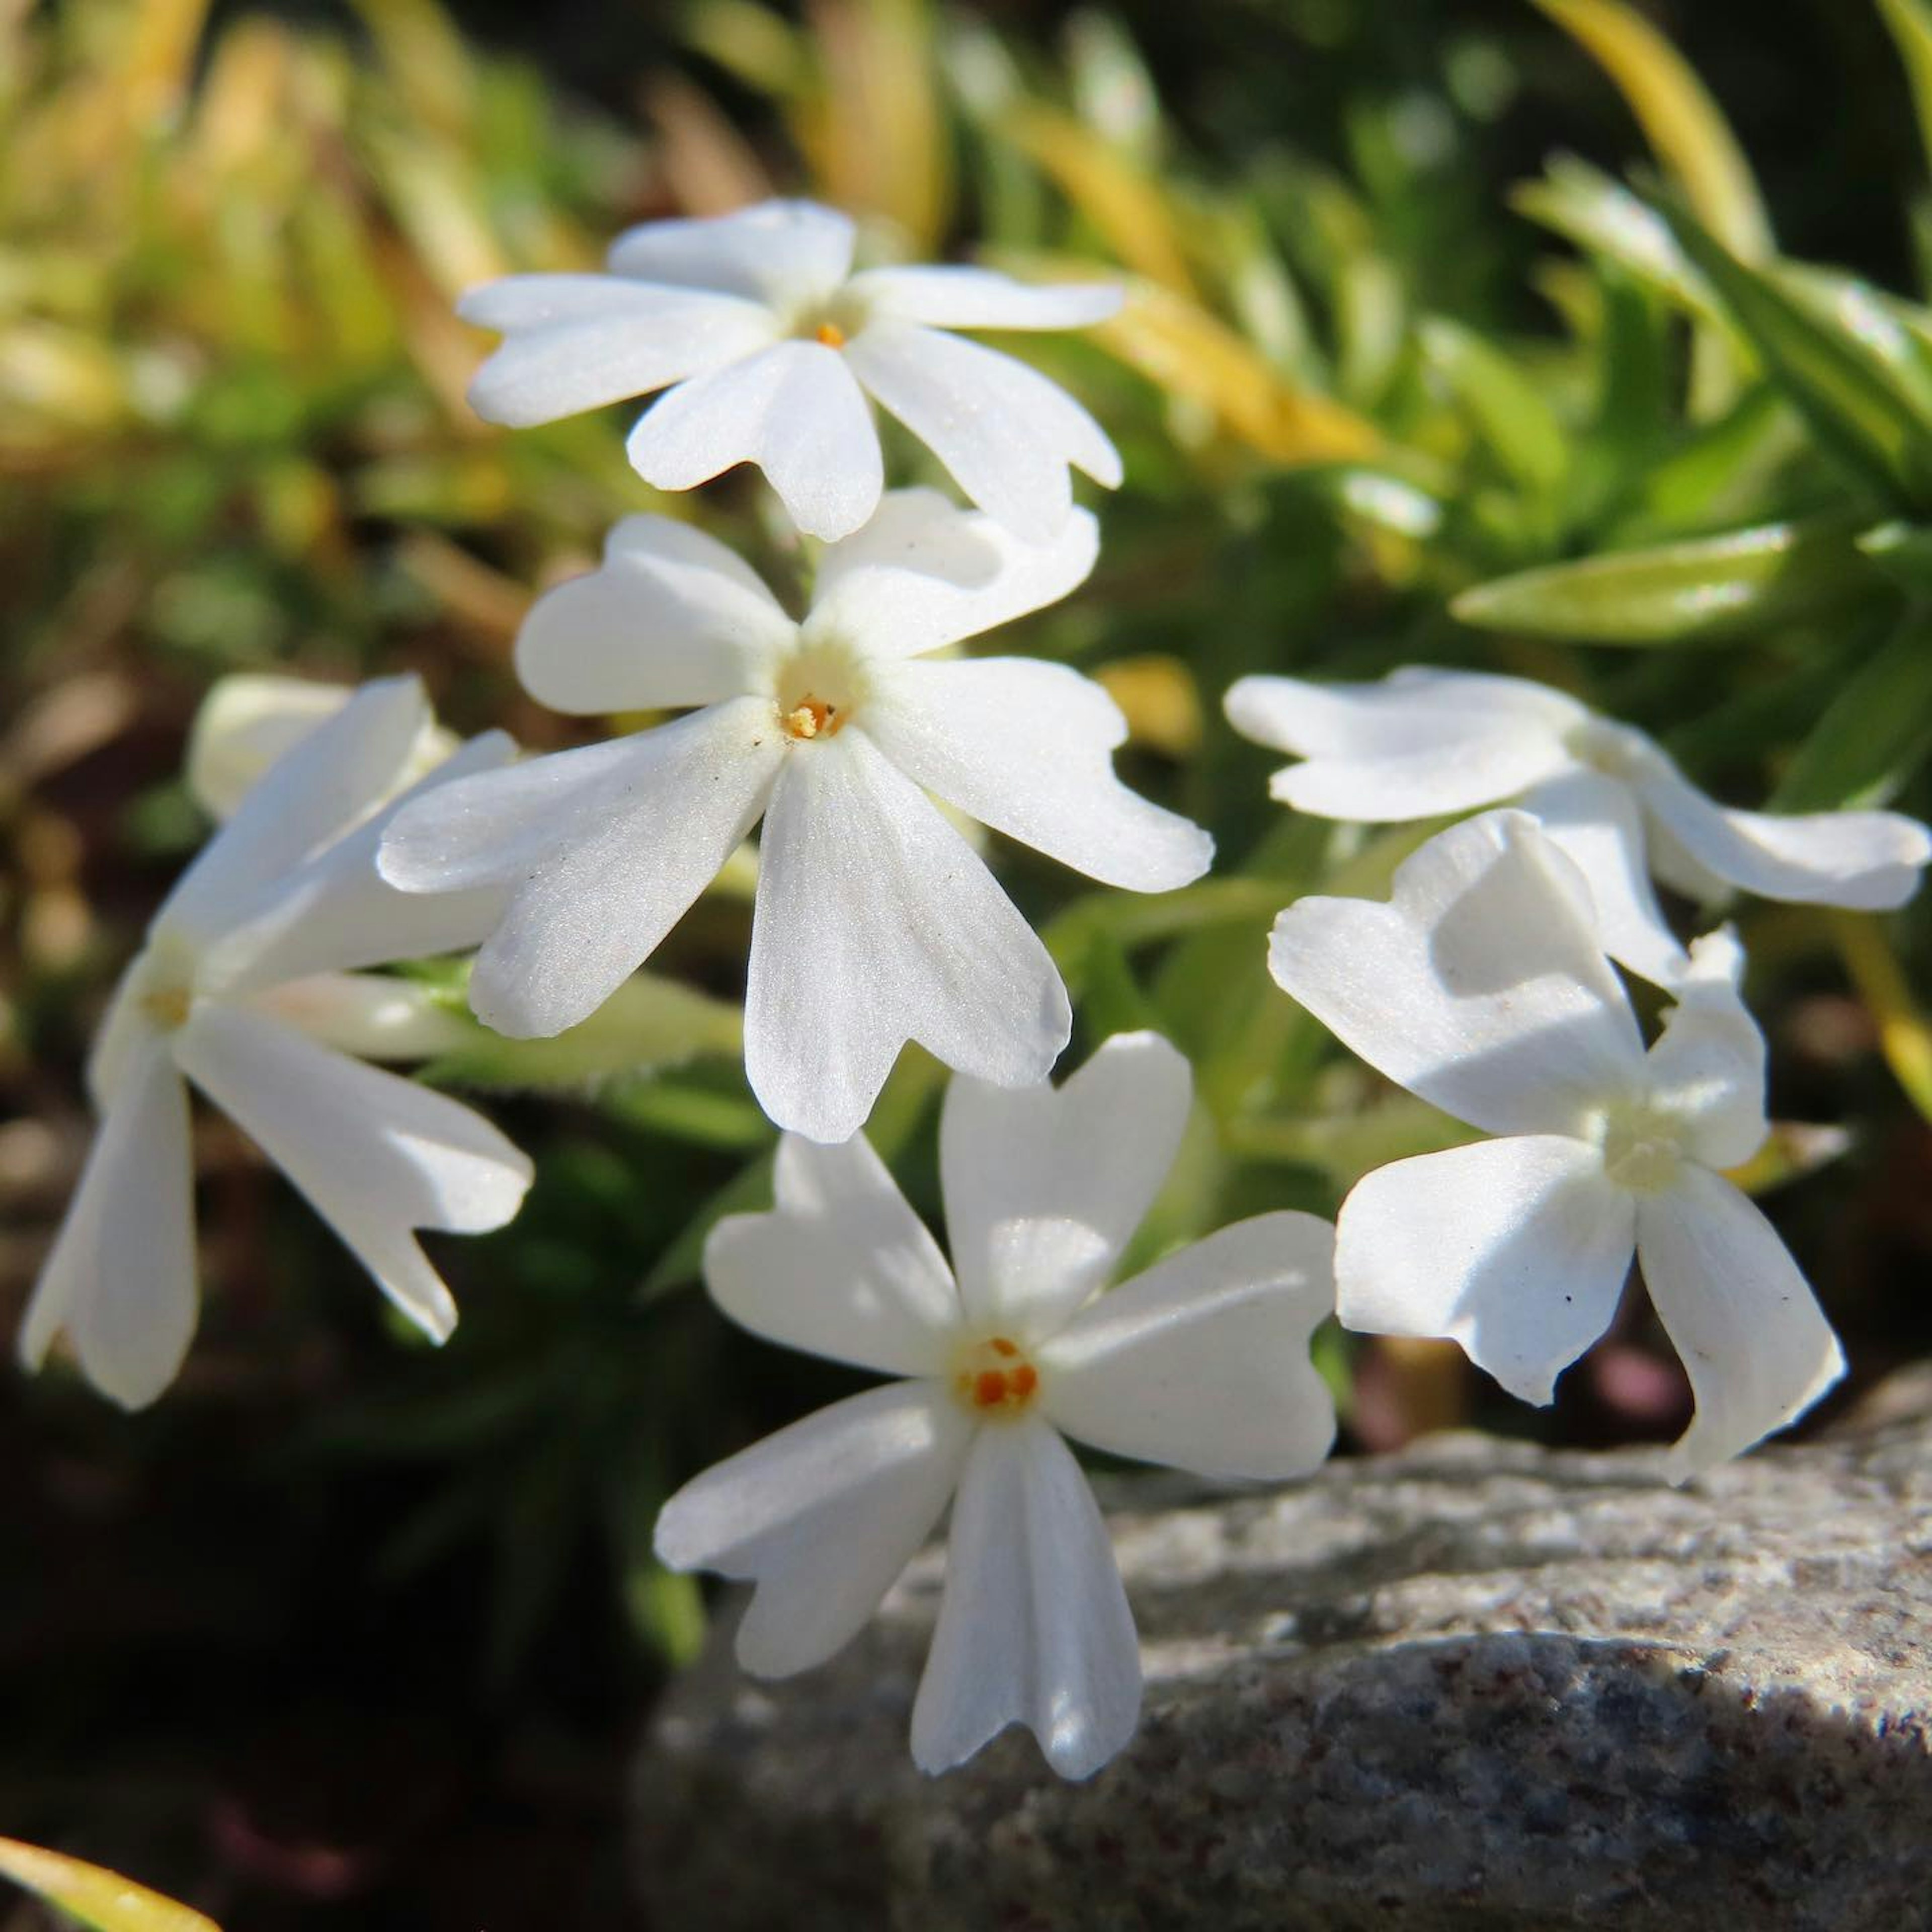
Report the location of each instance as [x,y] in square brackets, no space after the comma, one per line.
[1607,435]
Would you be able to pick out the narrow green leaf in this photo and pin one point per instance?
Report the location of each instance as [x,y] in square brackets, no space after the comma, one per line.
[99,1898]
[1838,350]
[1903,551]
[1512,418]
[648,1024]
[1685,126]
[1603,218]
[1874,735]
[1701,591]
[1910,23]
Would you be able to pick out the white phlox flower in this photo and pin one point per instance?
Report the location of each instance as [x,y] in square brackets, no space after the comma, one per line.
[248,988]
[1200,1363]
[769,347]
[1424,743]
[1482,986]
[875,922]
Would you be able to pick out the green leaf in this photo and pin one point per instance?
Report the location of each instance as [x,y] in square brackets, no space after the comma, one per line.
[649,1024]
[1512,417]
[1601,216]
[1875,733]
[1704,591]
[99,1898]
[1685,126]
[1838,348]
[1910,23]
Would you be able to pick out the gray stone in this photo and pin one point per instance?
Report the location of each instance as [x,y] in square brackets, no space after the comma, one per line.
[1473,1685]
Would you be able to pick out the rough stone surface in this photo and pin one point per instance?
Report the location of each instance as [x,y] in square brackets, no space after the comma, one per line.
[1472,1685]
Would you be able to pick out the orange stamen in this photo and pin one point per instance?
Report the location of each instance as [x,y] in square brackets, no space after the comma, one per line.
[831,334]
[809,718]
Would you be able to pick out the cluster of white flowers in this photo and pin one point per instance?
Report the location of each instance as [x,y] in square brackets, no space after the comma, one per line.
[1485,985]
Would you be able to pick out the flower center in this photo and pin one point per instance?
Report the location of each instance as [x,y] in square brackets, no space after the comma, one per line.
[993,1380]
[1642,1145]
[167,1006]
[162,985]
[818,688]
[830,334]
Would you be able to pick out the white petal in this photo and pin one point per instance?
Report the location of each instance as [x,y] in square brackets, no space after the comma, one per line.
[841,1267]
[577,342]
[822,1516]
[787,253]
[1516,1249]
[876,923]
[121,1278]
[246,722]
[607,847]
[1201,1363]
[1757,1345]
[1708,1065]
[373,1016]
[1418,744]
[491,829]
[924,573]
[376,1155]
[1033,1627]
[336,912]
[1871,860]
[1595,819]
[958,298]
[672,617]
[1004,432]
[322,788]
[1027,747]
[793,409]
[1481,985]
[1044,1186]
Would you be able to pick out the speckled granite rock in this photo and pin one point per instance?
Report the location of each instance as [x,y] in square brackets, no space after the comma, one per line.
[1474,1685]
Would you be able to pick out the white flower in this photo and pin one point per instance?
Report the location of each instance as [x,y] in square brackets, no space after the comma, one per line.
[247,988]
[1424,742]
[770,345]
[875,922]
[1482,987]
[1200,1363]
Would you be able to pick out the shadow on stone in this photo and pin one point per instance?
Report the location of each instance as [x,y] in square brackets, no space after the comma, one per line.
[1474,1685]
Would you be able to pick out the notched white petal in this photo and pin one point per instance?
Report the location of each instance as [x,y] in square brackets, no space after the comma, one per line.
[1867,860]
[1202,1362]
[876,923]
[793,409]
[784,253]
[822,1516]
[1027,747]
[1418,744]
[1756,1345]
[577,342]
[1481,985]
[671,617]
[1034,1626]
[841,1267]
[1516,1249]
[947,297]
[924,573]
[120,1279]
[377,1156]
[1004,432]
